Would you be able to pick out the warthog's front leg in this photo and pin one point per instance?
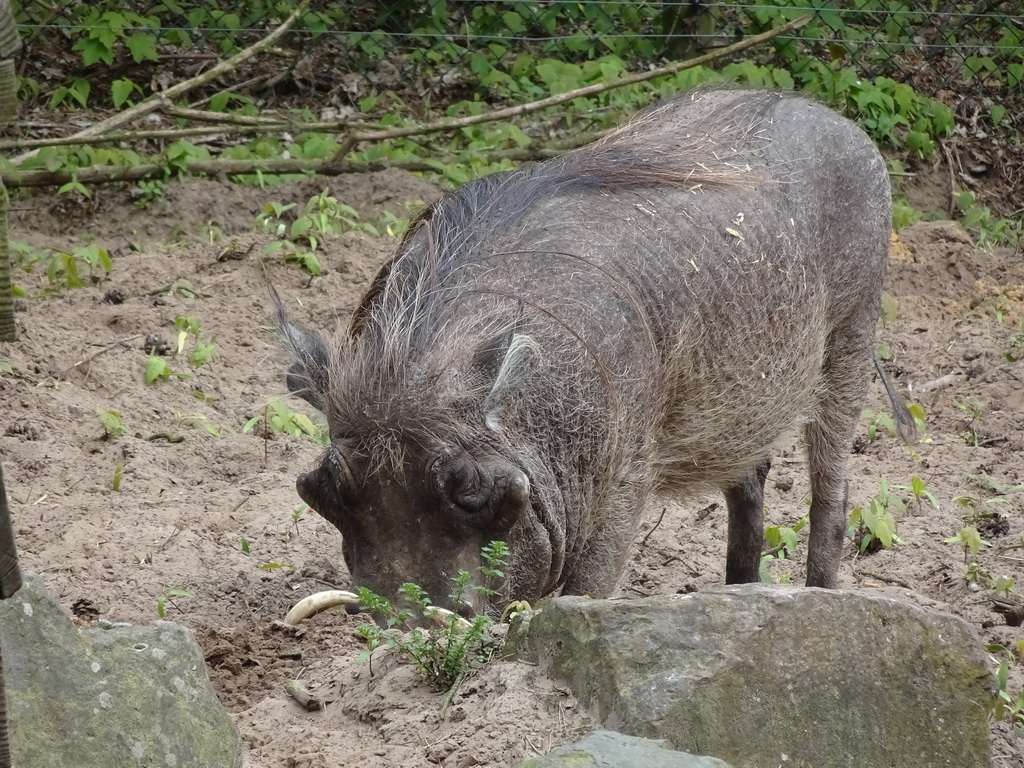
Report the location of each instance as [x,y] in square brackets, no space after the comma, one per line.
[745,502]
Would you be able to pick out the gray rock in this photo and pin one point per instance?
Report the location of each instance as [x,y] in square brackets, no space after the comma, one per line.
[767,676]
[127,696]
[607,749]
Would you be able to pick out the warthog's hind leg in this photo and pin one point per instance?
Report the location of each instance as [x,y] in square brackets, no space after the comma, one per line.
[745,502]
[828,450]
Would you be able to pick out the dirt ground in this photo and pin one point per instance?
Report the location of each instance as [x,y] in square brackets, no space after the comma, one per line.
[190,503]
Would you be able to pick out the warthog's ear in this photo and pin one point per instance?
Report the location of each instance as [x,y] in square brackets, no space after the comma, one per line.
[307,377]
[521,356]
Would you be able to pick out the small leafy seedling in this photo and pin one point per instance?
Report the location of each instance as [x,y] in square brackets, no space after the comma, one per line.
[781,541]
[201,352]
[1016,340]
[879,423]
[278,417]
[920,490]
[184,326]
[113,425]
[297,515]
[158,370]
[442,655]
[198,421]
[118,474]
[874,525]
[272,566]
[168,597]
[970,539]
[975,414]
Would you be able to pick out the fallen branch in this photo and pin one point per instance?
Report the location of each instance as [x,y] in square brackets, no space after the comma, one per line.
[590,90]
[205,116]
[247,125]
[106,174]
[277,126]
[163,98]
[120,342]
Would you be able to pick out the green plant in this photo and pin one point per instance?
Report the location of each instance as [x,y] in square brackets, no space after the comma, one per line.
[65,270]
[158,370]
[781,541]
[986,482]
[201,352]
[1007,706]
[903,215]
[185,326]
[441,654]
[875,525]
[198,421]
[113,425]
[986,229]
[150,190]
[321,216]
[297,515]
[168,597]
[278,417]
[1016,341]
[277,567]
[920,490]
[975,414]
[971,540]
[878,423]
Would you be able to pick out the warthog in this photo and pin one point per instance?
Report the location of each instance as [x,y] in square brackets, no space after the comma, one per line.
[550,347]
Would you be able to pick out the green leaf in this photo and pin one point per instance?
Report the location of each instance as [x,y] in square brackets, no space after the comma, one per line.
[202,353]
[972,539]
[156,368]
[883,531]
[303,422]
[142,47]
[5,367]
[93,50]
[118,472]
[120,90]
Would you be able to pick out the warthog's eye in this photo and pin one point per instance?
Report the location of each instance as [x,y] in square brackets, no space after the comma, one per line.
[480,496]
[453,477]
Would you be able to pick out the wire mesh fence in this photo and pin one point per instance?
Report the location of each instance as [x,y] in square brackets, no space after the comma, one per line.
[445,50]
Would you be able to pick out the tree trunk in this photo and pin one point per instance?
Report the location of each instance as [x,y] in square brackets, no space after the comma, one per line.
[10,44]
[10,582]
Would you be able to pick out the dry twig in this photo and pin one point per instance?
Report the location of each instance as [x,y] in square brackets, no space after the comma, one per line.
[163,98]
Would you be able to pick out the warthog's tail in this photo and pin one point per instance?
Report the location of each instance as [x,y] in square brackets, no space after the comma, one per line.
[905,423]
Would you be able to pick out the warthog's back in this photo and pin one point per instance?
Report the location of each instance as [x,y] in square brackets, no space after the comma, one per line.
[700,258]
[651,312]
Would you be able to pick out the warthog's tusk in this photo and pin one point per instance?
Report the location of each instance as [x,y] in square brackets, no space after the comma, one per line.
[440,616]
[321,601]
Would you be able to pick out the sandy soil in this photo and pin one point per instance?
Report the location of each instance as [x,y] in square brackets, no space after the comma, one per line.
[188,499]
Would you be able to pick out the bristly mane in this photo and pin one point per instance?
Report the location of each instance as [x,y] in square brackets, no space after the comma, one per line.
[619,162]
[410,297]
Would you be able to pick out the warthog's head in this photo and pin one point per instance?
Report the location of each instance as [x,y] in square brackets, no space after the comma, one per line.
[419,474]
